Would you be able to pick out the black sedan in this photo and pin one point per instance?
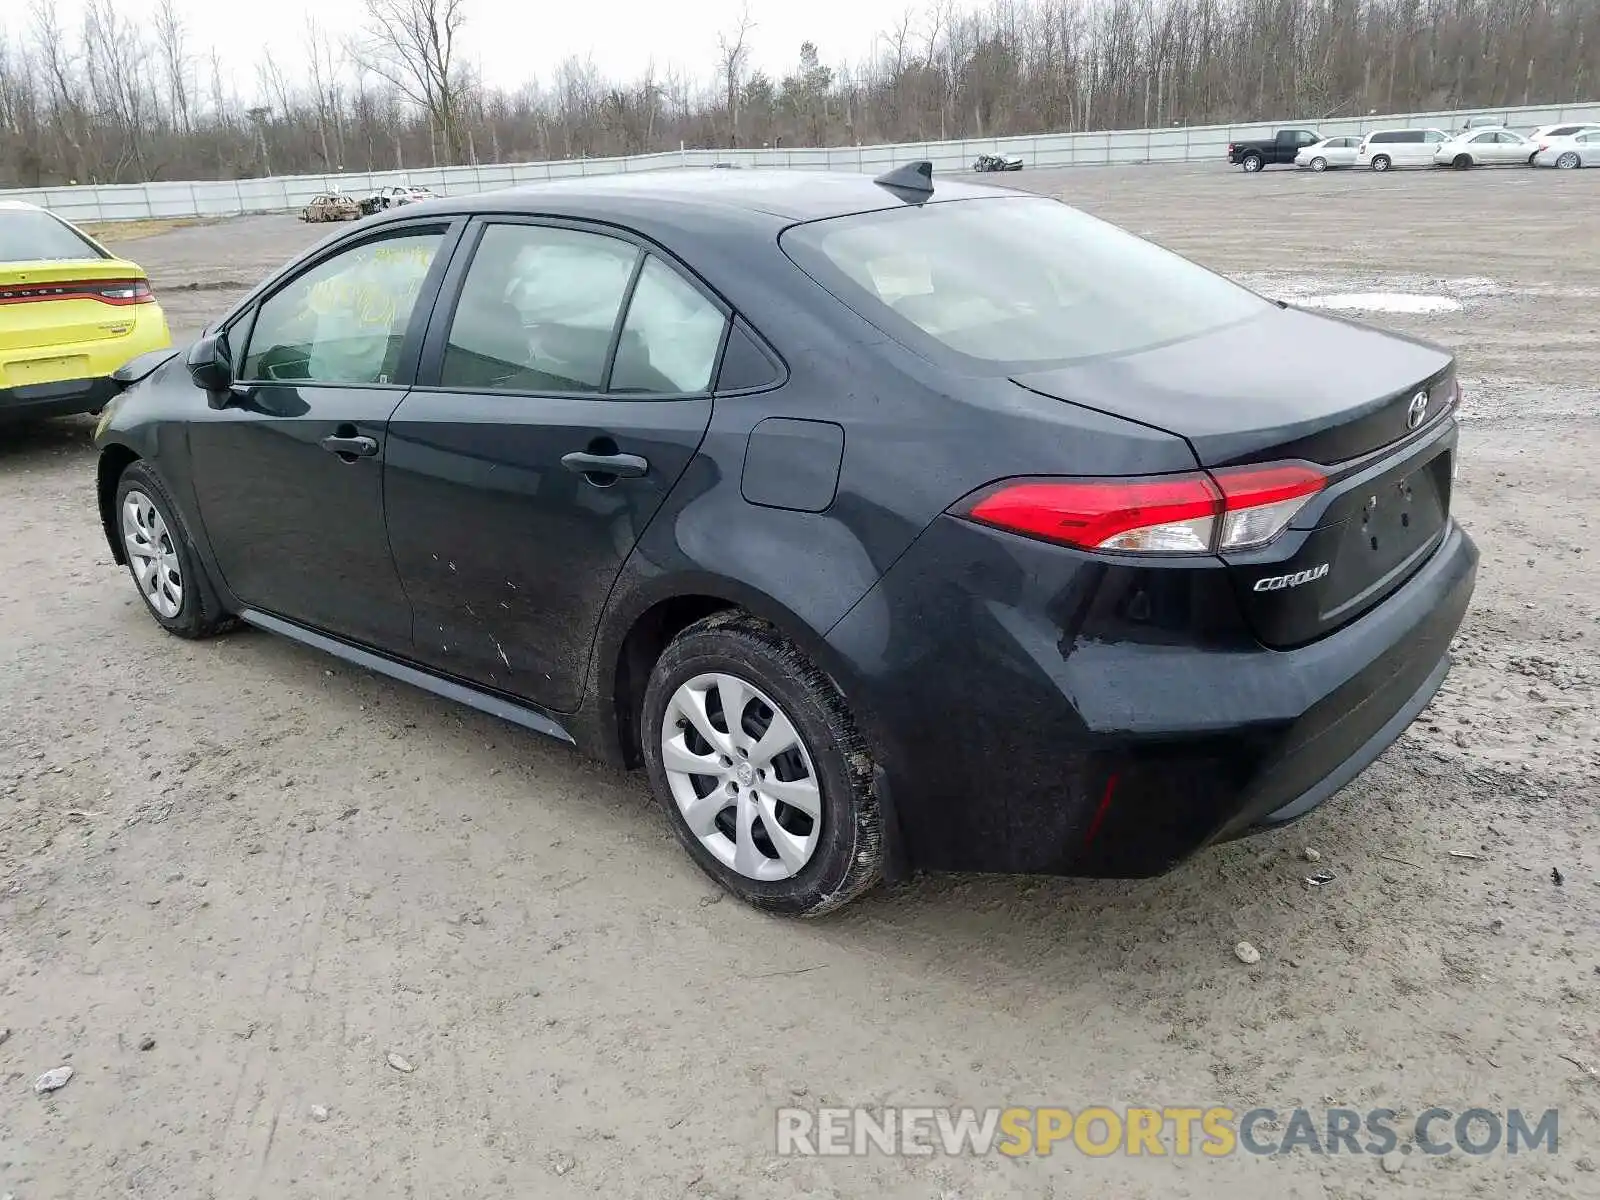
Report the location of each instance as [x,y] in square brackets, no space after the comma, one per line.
[887,524]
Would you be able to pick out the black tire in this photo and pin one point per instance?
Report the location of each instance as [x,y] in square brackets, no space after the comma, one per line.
[200,615]
[1252,163]
[1462,162]
[1381,162]
[847,860]
[1319,164]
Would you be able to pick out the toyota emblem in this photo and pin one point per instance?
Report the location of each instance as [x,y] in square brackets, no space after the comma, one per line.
[1417,410]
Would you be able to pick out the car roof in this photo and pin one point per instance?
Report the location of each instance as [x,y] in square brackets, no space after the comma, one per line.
[792,195]
[14,204]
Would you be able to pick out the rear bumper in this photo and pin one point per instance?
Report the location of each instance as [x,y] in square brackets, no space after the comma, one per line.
[55,399]
[1038,710]
[75,377]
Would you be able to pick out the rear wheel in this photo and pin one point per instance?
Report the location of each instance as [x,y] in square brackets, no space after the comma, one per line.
[1569,161]
[1381,162]
[1462,162]
[755,757]
[162,559]
[1252,163]
[1319,164]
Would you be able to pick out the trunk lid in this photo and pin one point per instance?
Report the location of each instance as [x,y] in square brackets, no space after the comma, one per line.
[1291,385]
[1286,384]
[41,306]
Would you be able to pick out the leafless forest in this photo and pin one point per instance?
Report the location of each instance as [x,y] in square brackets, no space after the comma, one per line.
[109,100]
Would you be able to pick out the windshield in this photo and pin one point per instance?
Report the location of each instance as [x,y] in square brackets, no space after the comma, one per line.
[1020,282]
[28,234]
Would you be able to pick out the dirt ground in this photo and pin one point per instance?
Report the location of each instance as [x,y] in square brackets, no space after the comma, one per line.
[282,870]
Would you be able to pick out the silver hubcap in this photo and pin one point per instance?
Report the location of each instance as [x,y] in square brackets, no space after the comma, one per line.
[152,555]
[742,777]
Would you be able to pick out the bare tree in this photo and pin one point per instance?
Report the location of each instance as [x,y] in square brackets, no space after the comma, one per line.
[175,61]
[733,54]
[411,45]
[113,99]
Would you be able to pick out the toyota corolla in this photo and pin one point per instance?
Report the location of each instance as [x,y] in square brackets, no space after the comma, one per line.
[887,524]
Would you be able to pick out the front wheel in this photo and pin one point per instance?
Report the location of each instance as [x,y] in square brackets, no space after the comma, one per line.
[1462,162]
[1381,163]
[1569,161]
[162,559]
[755,757]
[1252,163]
[1319,164]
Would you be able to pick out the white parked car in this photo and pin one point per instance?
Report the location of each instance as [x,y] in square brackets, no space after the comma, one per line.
[1329,152]
[1579,150]
[1550,133]
[1399,148]
[1484,147]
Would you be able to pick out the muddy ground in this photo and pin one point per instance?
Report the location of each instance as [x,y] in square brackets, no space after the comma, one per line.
[280,869]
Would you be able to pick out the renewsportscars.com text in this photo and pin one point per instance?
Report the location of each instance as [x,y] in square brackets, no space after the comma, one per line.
[1099,1131]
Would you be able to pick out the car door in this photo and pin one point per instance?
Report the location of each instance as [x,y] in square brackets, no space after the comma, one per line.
[1513,148]
[565,387]
[1341,151]
[289,474]
[1429,141]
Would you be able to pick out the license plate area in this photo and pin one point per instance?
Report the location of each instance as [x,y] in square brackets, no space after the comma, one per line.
[1399,513]
[47,370]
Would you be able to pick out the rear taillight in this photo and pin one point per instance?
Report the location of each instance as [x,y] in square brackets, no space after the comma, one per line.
[1259,502]
[108,291]
[1239,508]
[1230,148]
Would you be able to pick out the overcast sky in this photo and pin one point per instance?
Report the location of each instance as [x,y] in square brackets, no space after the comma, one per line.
[511,40]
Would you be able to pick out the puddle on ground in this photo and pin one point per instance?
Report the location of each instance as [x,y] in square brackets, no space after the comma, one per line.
[1385,302]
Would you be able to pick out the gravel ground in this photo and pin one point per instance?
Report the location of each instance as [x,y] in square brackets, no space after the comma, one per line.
[275,871]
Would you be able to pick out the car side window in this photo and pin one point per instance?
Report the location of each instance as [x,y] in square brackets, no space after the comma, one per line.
[537,310]
[344,320]
[1433,135]
[671,335]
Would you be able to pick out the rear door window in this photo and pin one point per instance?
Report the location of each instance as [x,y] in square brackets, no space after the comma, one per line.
[537,310]
[670,338]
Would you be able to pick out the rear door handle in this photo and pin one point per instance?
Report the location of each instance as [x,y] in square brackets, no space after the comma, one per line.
[349,448]
[624,466]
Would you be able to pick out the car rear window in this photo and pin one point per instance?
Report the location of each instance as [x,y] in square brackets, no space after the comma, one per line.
[1013,281]
[27,234]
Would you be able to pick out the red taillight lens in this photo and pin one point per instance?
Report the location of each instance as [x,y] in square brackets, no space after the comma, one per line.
[1201,513]
[1171,514]
[108,291]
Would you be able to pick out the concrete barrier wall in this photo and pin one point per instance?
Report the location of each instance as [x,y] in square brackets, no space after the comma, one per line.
[1204,143]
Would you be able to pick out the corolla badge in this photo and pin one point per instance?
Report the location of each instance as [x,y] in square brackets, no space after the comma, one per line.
[1417,409]
[1276,583]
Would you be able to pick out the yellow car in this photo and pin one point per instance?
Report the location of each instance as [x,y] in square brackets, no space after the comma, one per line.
[71,313]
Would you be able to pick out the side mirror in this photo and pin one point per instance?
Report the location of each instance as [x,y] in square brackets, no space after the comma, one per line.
[211,366]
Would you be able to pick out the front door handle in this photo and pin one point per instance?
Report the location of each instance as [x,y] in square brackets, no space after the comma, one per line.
[594,466]
[350,448]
